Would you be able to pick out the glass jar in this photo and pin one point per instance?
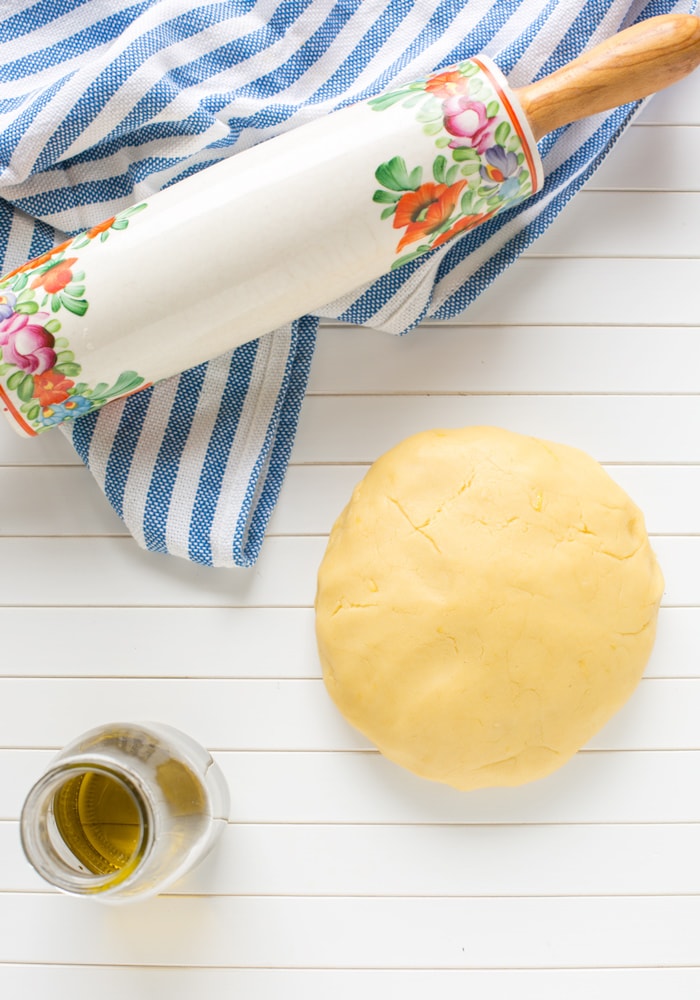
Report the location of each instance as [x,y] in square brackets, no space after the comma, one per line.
[123,811]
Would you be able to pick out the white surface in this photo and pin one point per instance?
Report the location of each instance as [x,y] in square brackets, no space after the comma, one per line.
[341,875]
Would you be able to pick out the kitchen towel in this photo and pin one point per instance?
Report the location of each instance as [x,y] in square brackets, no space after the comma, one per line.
[101,107]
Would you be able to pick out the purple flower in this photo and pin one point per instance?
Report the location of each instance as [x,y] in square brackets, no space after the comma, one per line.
[501,168]
[7,304]
[26,344]
[468,122]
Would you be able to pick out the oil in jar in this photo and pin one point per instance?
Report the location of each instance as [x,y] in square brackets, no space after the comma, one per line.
[99,820]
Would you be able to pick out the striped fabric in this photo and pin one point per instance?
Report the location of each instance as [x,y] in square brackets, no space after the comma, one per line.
[101,107]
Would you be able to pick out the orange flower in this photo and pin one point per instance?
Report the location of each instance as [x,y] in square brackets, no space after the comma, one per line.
[38,261]
[447,84]
[57,276]
[51,387]
[423,211]
[463,225]
[101,227]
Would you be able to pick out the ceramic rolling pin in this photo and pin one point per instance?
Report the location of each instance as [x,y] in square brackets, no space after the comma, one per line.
[279,230]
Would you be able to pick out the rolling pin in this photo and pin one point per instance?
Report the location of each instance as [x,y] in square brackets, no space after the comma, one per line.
[280,229]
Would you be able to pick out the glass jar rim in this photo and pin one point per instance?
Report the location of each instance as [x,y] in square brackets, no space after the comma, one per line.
[36,819]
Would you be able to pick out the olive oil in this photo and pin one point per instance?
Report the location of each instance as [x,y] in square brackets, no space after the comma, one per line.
[123,811]
[99,820]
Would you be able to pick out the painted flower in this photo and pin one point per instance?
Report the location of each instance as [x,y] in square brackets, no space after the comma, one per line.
[73,406]
[26,344]
[424,211]
[76,406]
[38,261]
[501,168]
[468,123]
[101,227]
[51,387]
[57,276]
[447,84]
[463,225]
[7,304]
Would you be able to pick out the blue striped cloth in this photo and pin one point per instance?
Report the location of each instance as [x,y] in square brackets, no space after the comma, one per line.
[101,107]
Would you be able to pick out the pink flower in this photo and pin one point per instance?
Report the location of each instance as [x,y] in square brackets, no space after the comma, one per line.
[468,122]
[26,344]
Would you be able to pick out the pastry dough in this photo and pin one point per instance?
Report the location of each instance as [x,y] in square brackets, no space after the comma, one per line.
[487,601]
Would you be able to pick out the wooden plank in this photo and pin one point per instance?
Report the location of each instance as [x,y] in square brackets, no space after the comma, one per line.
[161,642]
[631,224]
[676,105]
[611,428]
[297,932]
[283,714]
[49,448]
[311,499]
[250,642]
[466,357]
[650,158]
[622,292]
[114,983]
[432,861]
[269,787]
[285,576]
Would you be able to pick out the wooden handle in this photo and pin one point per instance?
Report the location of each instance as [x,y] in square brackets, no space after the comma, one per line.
[632,64]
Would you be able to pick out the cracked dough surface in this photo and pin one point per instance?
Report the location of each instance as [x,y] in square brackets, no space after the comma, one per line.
[486,602]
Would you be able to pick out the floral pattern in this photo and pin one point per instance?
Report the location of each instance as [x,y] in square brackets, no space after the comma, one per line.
[483,165]
[36,363]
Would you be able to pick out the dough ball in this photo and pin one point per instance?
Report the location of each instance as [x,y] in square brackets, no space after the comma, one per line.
[487,601]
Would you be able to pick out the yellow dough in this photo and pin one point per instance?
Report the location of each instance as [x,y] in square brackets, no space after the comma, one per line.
[487,601]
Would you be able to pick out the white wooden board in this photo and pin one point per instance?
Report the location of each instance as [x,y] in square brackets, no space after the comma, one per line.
[340,875]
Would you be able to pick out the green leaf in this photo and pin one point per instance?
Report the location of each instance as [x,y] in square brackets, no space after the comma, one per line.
[25,389]
[75,291]
[520,157]
[502,133]
[492,109]
[55,303]
[415,177]
[21,280]
[475,88]
[15,379]
[68,368]
[432,128]
[33,412]
[127,382]
[386,197]
[53,326]
[470,168]
[80,241]
[439,165]
[415,99]
[133,210]
[4,369]
[26,295]
[388,212]
[512,144]
[64,356]
[394,175]
[117,225]
[80,389]
[385,101]
[28,308]
[411,256]
[468,68]
[442,141]
[463,153]
[452,174]
[77,306]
